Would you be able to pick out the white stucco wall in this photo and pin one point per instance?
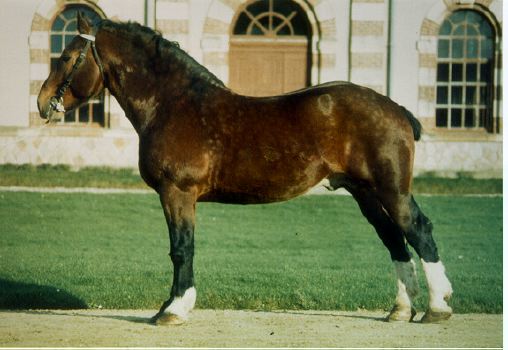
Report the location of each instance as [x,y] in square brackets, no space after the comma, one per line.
[126,10]
[15,21]
[407,17]
[341,70]
[198,9]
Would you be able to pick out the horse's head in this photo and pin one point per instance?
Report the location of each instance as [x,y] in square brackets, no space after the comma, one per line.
[77,77]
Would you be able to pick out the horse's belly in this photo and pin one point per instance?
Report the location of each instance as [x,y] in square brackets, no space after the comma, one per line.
[266,182]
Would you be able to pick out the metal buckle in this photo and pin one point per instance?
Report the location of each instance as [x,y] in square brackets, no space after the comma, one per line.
[57,104]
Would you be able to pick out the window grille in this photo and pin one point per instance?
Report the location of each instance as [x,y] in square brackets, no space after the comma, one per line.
[63,30]
[465,69]
[271,18]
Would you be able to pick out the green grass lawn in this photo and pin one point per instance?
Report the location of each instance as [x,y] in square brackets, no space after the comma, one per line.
[61,175]
[315,252]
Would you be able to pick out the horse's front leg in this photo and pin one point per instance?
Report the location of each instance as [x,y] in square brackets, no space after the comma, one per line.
[179,210]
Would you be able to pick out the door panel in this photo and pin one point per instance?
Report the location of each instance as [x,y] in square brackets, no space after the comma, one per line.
[266,68]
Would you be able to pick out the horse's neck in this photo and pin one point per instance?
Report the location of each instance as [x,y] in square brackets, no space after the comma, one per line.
[140,91]
[128,84]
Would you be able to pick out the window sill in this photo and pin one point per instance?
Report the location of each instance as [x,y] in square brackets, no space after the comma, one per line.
[67,131]
[435,134]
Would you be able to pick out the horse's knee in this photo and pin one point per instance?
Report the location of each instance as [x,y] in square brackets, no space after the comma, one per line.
[181,256]
[182,251]
[182,244]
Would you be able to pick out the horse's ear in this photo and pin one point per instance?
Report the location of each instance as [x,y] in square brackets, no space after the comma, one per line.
[84,25]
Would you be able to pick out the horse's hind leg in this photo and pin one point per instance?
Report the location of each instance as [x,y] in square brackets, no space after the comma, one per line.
[393,238]
[440,289]
[417,230]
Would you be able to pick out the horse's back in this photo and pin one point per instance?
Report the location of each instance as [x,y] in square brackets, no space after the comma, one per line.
[341,121]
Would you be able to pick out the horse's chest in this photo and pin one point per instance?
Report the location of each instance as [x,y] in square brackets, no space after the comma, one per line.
[178,160]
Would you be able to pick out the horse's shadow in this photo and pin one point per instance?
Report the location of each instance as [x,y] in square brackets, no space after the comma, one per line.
[362,317]
[126,318]
[332,314]
[16,295]
[133,319]
[48,300]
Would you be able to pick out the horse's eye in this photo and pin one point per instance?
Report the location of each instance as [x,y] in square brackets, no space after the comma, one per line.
[66,58]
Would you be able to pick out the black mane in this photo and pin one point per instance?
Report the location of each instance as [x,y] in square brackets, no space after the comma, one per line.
[162,52]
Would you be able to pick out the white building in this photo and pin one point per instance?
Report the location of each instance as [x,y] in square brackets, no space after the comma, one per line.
[441,59]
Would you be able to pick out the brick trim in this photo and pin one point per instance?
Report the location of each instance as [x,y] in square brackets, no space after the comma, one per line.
[172,26]
[217,33]
[367,28]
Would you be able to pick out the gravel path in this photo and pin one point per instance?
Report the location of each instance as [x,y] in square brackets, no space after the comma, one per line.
[226,328]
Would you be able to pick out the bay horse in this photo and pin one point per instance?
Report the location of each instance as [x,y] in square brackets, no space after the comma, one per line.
[200,141]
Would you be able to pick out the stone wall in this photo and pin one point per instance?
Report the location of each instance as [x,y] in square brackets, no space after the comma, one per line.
[96,147]
[119,148]
[481,159]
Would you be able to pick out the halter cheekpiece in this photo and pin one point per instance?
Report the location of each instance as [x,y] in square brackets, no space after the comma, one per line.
[56,102]
[88,37]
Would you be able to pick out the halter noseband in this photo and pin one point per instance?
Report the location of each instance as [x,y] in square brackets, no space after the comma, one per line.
[56,102]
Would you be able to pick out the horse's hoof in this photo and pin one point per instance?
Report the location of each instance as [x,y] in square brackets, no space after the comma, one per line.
[401,315]
[167,320]
[435,316]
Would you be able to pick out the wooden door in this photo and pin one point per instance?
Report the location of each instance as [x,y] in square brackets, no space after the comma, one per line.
[267,68]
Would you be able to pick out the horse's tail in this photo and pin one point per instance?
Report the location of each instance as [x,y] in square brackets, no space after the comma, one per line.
[415,123]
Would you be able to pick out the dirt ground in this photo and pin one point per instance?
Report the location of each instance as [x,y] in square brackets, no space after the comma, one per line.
[226,328]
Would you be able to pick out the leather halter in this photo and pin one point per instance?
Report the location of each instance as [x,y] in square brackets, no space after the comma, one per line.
[56,102]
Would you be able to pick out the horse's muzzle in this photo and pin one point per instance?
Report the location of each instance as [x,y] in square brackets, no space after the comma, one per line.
[51,111]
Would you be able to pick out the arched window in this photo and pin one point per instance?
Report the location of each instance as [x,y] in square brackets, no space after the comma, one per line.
[270,49]
[272,18]
[63,29]
[465,72]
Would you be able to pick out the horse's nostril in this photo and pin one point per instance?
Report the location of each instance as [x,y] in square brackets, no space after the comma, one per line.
[44,110]
[42,107]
